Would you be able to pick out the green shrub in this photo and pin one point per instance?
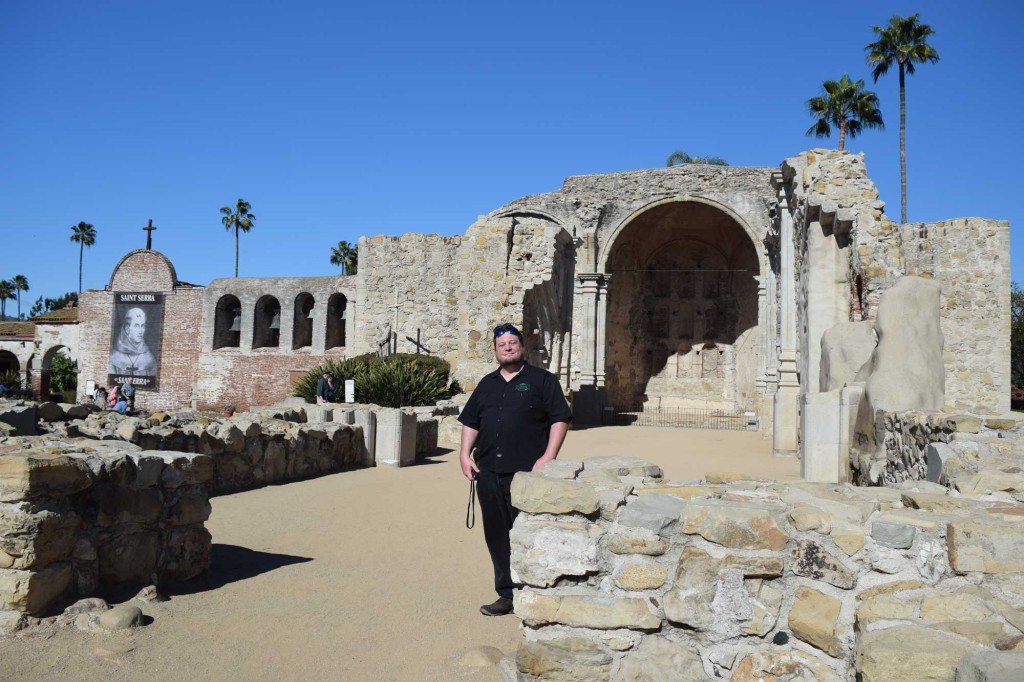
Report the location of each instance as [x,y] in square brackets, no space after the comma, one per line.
[401,380]
[11,379]
[63,373]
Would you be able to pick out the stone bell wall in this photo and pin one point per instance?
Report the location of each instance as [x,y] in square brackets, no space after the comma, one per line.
[75,519]
[628,577]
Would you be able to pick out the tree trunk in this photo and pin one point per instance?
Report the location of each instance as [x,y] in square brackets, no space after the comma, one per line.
[81,250]
[903,148]
[236,251]
[842,135]
[19,304]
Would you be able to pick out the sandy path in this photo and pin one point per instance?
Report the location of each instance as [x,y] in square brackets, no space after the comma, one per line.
[363,575]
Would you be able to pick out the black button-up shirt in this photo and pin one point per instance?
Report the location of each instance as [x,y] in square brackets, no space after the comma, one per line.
[514,418]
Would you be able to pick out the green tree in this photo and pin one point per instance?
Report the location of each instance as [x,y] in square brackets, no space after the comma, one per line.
[63,373]
[679,157]
[1017,336]
[44,306]
[846,105]
[346,256]
[20,284]
[237,219]
[903,42]
[84,235]
[6,293]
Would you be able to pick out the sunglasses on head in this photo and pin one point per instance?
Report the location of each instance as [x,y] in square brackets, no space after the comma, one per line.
[505,329]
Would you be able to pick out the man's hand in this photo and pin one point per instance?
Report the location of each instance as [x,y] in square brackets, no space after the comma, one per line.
[555,437]
[466,461]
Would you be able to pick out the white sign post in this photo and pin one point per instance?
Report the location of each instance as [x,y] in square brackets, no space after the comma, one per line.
[350,390]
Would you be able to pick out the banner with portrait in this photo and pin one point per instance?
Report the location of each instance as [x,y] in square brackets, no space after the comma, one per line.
[135,335]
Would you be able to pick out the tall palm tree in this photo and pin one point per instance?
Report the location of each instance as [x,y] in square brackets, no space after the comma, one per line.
[904,43]
[237,219]
[846,105]
[84,235]
[678,158]
[20,284]
[6,292]
[345,255]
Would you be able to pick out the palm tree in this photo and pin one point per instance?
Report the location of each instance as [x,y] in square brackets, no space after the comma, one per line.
[846,105]
[20,285]
[345,255]
[239,219]
[6,292]
[902,42]
[85,235]
[678,158]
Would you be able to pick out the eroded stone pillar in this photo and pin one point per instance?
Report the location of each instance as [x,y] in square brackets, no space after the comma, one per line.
[786,410]
[589,400]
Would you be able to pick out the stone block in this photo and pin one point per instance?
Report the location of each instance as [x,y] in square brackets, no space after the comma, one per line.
[991,666]
[883,607]
[908,652]
[624,466]
[814,618]
[761,666]
[123,505]
[683,492]
[765,602]
[964,423]
[30,476]
[820,459]
[656,513]
[426,436]
[366,442]
[128,557]
[539,494]
[895,535]
[931,502]
[808,518]
[640,574]
[990,481]
[958,606]
[186,553]
[1001,424]
[562,468]
[811,560]
[658,658]
[33,591]
[735,525]
[544,551]
[34,535]
[184,468]
[606,613]
[396,438]
[985,546]
[569,659]
[636,541]
[845,347]
[850,540]
[190,508]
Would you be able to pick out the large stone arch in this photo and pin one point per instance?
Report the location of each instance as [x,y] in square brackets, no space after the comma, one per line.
[683,308]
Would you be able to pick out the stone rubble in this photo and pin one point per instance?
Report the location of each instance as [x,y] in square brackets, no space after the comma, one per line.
[752,580]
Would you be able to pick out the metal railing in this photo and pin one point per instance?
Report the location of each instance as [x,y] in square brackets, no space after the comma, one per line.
[688,417]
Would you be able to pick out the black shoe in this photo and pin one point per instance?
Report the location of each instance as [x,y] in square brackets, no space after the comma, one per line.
[502,607]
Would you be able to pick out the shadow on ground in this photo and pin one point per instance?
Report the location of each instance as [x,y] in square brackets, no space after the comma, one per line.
[231,563]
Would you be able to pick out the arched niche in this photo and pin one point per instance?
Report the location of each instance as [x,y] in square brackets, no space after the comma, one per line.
[266,324]
[683,296]
[9,362]
[227,323]
[337,314]
[302,324]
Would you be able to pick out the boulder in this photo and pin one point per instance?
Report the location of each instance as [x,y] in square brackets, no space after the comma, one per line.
[544,551]
[571,659]
[50,411]
[814,618]
[658,658]
[120,618]
[906,369]
[985,546]
[845,348]
[657,513]
[908,652]
[36,475]
[21,418]
[735,525]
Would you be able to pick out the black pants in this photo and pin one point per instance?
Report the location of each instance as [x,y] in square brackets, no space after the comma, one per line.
[495,494]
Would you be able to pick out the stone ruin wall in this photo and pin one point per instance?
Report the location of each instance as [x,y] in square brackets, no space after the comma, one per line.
[969,257]
[454,290]
[125,502]
[628,577]
[148,271]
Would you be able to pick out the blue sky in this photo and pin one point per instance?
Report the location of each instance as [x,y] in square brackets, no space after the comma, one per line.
[336,120]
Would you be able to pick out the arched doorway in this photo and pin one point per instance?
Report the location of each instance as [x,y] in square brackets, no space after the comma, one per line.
[58,378]
[682,310]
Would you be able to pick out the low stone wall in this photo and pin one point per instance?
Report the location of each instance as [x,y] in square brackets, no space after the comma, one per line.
[969,453]
[77,518]
[628,577]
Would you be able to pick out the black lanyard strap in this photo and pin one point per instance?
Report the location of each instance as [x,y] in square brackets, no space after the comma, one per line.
[471,507]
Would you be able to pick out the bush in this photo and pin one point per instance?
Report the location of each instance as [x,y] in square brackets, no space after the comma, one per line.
[63,373]
[401,380]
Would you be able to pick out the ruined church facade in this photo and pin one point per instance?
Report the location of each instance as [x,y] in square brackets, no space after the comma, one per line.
[688,287]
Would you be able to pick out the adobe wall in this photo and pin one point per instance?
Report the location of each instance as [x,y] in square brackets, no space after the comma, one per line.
[144,271]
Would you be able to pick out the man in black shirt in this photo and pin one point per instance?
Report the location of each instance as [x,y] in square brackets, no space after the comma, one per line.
[517,417]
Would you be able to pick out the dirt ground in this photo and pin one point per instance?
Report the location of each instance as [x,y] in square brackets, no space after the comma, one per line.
[361,575]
